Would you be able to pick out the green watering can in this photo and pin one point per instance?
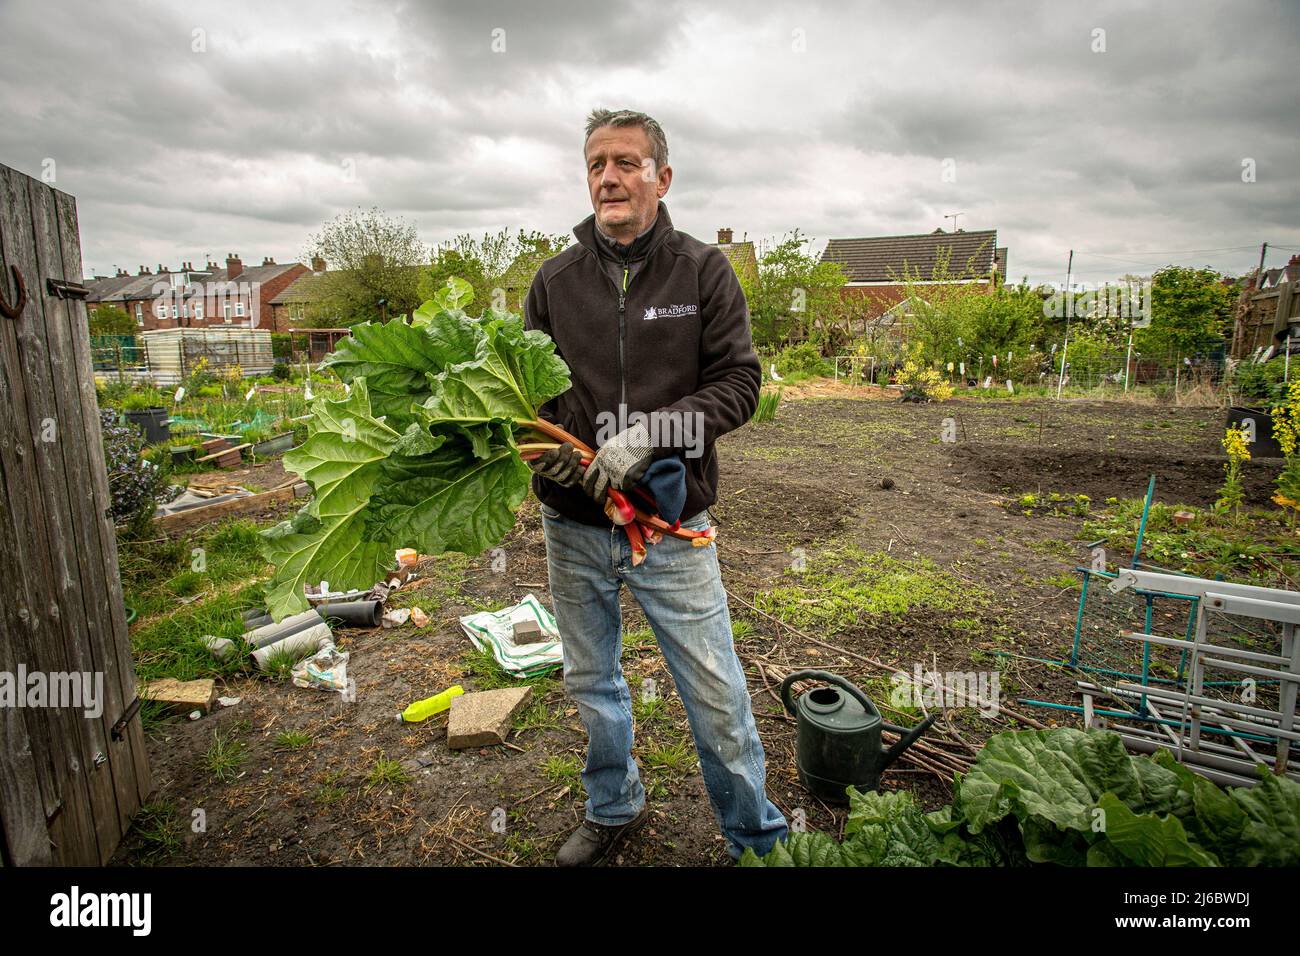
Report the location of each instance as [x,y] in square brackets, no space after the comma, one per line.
[837,737]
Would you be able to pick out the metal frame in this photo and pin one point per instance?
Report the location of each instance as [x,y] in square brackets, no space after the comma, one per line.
[1238,723]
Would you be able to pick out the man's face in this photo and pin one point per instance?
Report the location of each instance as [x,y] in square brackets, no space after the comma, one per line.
[624,184]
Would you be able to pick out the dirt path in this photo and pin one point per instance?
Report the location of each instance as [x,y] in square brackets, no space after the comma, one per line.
[804,490]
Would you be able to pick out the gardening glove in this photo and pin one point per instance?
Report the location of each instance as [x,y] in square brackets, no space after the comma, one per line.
[620,463]
[561,465]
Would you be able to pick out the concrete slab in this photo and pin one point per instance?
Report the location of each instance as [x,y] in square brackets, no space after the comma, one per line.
[483,718]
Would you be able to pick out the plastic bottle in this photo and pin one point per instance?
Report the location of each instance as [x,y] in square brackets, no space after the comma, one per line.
[424,709]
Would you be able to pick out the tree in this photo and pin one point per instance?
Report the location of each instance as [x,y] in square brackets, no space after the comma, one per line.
[375,266]
[960,321]
[794,296]
[1191,311]
[110,320]
[499,267]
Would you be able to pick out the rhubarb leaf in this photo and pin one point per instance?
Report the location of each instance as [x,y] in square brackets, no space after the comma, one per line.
[450,501]
[396,359]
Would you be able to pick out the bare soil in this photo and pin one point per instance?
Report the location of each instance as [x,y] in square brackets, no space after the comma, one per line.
[811,480]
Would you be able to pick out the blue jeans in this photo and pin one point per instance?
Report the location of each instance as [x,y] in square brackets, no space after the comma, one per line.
[680,589]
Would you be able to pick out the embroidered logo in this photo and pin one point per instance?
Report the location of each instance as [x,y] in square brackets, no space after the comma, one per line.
[669,311]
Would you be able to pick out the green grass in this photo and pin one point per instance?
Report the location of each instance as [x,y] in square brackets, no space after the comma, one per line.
[562,769]
[157,827]
[676,758]
[1055,547]
[219,567]
[224,758]
[292,740]
[1051,503]
[840,588]
[768,401]
[647,709]
[639,638]
[386,773]
[488,675]
[1062,580]
[1247,546]
[329,792]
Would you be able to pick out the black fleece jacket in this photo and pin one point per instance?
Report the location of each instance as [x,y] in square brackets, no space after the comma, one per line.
[676,339]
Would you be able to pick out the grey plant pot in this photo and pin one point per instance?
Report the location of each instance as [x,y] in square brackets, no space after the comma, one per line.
[274,446]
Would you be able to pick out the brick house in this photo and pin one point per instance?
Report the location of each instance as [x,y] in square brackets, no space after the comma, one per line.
[741,255]
[875,266]
[290,306]
[198,298]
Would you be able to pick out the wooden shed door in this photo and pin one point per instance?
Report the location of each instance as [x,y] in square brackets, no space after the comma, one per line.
[71,777]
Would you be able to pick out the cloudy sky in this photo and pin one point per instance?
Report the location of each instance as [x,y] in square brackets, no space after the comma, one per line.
[1116,129]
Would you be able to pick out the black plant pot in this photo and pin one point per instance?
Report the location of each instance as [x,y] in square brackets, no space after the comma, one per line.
[1264,445]
[156,425]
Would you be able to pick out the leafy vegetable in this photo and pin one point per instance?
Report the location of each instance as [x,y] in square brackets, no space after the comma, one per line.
[428,450]
[1066,797]
[421,453]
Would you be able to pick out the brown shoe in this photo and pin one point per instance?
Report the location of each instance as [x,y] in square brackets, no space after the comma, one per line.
[592,843]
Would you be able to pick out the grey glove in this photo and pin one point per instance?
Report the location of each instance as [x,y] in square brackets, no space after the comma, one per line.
[561,465]
[620,463]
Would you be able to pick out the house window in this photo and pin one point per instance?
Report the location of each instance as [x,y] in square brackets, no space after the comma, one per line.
[225,311]
[198,311]
[139,313]
[239,308]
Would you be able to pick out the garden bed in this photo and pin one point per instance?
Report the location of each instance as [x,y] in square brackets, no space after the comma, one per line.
[936,570]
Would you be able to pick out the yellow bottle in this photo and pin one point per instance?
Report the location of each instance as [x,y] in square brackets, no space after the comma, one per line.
[424,709]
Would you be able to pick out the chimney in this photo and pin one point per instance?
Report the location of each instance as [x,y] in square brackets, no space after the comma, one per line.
[1295,260]
[144,271]
[161,269]
[212,266]
[317,264]
[724,237]
[234,266]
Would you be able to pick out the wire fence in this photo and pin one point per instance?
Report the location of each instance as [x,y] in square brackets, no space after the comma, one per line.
[1100,374]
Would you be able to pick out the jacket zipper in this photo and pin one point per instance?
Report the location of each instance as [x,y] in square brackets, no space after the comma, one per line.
[622,302]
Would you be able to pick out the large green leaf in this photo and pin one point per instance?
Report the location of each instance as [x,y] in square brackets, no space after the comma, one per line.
[1057,777]
[421,453]
[452,500]
[341,456]
[396,359]
[1065,798]
[511,376]
[307,550]
[342,459]
[1143,839]
[1272,835]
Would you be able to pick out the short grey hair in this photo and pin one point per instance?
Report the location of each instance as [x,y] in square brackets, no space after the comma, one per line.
[658,141]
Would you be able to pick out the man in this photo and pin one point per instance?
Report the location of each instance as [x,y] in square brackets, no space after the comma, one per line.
[652,323]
